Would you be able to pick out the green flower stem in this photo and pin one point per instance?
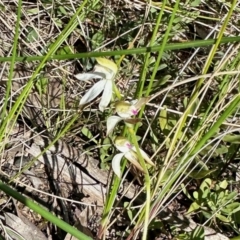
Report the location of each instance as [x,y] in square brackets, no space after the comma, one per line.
[147,184]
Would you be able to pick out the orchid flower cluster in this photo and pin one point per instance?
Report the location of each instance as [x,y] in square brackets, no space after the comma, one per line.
[105,71]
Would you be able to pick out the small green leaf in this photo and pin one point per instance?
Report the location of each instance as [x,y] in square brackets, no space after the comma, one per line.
[129,211]
[193,207]
[161,66]
[32,11]
[97,39]
[165,79]
[195,3]
[221,195]
[185,102]
[205,193]
[41,85]
[199,174]
[232,138]
[211,205]
[223,184]
[198,233]
[206,214]
[221,150]
[86,132]
[231,208]
[62,10]
[196,195]
[186,192]
[223,218]
[163,119]
[231,195]
[65,50]
[206,184]
[106,144]
[32,35]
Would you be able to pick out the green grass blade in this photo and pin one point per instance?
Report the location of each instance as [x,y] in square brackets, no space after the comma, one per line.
[44,213]
[168,47]
[14,55]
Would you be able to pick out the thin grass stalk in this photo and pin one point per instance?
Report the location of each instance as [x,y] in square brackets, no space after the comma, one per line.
[168,47]
[204,118]
[161,51]
[138,94]
[209,60]
[145,213]
[116,181]
[216,45]
[234,104]
[192,100]
[17,107]
[224,83]
[14,55]
[184,160]
[110,199]
[143,73]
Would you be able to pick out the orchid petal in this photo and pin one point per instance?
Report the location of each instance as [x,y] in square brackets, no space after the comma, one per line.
[140,102]
[108,64]
[112,122]
[124,115]
[93,92]
[106,96]
[122,109]
[89,76]
[132,157]
[116,166]
[144,155]
[108,73]
[132,121]
[122,144]
[133,110]
[125,110]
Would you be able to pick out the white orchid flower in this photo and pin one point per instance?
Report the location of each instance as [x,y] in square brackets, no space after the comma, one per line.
[129,152]
[125,111]
[105,71]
